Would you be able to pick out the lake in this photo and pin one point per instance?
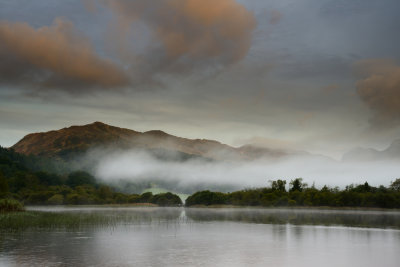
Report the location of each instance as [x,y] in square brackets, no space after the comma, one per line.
[140,236]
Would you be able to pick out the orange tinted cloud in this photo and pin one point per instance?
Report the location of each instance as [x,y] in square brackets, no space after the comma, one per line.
[379,88]
[192,32]
[54,56]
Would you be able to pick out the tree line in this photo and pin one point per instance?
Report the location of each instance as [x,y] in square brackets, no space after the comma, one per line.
[300,194]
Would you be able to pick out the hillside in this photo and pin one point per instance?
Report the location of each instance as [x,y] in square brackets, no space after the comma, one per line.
[67,142]
[80,138]
[53,143]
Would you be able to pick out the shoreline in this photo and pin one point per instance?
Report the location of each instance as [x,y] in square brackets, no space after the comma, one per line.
[216,207]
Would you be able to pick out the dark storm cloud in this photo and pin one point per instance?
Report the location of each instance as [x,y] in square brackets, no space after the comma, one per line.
[172,37]
[51,57]
[379,89]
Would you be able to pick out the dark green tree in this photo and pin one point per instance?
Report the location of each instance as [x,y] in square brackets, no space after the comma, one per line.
[206,198]
[278,185]
[395,185]
[46,178]
[296,185]
[146,197]
[78,178]
[3,186]
[167,199]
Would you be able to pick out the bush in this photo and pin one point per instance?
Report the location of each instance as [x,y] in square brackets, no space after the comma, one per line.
[9,205]
[57,199]
[166,199]
[39,197]
[121,198]
[206,198]
[146,197]
[77,199]
[134,198]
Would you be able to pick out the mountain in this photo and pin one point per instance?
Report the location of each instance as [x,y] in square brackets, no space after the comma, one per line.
[53,143]
[392,152]
[67,142]
[80,138]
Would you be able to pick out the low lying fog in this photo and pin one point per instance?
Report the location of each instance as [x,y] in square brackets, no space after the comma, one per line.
[135,165]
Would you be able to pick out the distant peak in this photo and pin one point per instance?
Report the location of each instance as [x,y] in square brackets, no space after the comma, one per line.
[93,124]
[156,133]
[97,123]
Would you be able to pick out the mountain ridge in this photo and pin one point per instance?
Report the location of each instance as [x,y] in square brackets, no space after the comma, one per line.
[62,142]
[371,154]
[83,137]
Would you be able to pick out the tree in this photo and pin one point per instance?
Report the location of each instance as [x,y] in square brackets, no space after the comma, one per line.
[146,197]
[105,192]
[3,185]
[48,178]
[297,185]
[56,199]
[278,185]
[395,185]
[206,198]
[166,199]
[80,178]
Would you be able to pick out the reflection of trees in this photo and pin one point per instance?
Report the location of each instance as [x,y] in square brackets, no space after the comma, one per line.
[71,237]
[299,217]
[86,218]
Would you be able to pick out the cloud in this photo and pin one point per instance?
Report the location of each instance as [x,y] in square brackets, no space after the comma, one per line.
[329,89]
[275,17]
[137,165]
[53,57]
[150,41]
[90,5]
[185,34]
[379,89]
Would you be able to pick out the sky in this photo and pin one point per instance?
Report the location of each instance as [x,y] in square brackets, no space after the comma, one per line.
[315,75]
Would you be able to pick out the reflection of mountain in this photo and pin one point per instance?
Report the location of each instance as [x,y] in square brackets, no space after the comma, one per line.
[68,142]
[370,154]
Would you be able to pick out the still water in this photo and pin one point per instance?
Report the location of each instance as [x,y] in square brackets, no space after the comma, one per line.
[209,237]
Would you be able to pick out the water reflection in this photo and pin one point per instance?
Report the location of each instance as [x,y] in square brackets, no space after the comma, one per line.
[353,218]
[326,217]
[208,237]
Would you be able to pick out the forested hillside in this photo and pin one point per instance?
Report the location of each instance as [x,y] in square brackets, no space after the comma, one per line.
[25,178]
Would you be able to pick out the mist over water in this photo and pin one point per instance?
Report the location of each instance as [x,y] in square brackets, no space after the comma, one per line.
[138,165]
[208,237]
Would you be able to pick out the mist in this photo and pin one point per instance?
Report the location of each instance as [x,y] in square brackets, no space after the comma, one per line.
[137,165]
